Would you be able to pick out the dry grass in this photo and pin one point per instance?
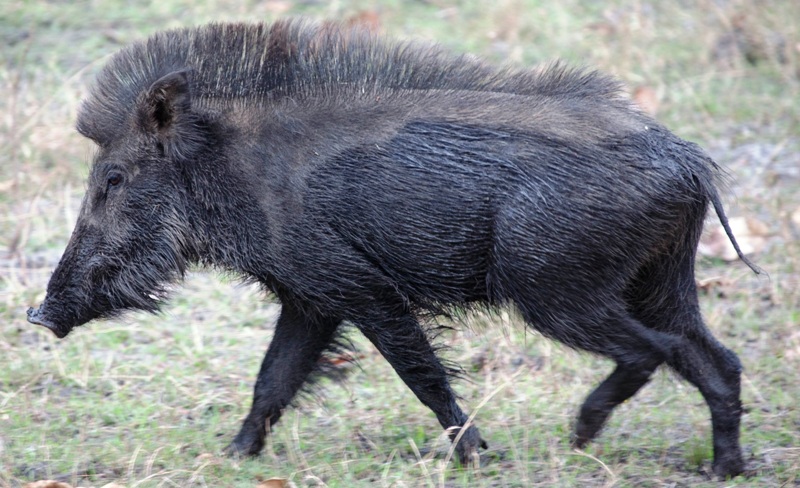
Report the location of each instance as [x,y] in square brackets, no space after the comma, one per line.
[150,401]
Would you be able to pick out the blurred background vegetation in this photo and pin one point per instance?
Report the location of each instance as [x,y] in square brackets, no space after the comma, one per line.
[150,401]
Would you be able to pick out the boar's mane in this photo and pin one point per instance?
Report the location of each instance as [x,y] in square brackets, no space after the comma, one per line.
[297,58]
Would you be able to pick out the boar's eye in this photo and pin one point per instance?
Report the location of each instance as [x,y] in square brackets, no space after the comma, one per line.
[114,179]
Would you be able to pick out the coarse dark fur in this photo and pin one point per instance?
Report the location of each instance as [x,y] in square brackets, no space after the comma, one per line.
[372,183]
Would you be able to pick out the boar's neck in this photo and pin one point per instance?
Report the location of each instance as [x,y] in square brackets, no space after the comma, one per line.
[221,182]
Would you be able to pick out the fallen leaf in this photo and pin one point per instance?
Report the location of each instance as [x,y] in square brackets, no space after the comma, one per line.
[603,28]
[708,284]
[647,99]
[47,484]
[6,185]
[276,483]
[342,360]
[206,458]
[749,233]
[278,7]
[757,228]
[796,218]
[368,19]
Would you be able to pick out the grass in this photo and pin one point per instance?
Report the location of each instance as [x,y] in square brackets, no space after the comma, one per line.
[151,401]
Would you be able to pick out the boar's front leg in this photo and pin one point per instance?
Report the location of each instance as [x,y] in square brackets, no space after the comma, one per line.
[299,341]
[404,344]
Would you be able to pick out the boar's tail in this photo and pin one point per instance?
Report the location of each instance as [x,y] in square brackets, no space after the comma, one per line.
[715,200]
[710,189]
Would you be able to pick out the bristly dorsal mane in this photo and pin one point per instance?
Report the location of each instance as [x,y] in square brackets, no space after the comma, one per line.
[293,57]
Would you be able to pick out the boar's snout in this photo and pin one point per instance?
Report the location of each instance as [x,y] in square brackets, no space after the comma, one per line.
[37,316]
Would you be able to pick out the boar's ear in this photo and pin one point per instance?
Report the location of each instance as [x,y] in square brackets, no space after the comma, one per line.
[165,102]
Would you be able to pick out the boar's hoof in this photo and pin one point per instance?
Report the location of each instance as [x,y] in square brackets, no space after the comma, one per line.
[235,451]
[246,444]
[729,466]
[467,448]
[583,435]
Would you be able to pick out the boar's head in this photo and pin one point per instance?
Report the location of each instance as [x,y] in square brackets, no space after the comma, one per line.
[129,241]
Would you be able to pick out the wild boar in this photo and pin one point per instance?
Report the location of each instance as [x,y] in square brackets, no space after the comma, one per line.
[374,183]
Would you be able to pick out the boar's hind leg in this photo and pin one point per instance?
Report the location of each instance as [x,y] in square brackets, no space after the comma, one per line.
[622,384]
[665,298]
[405,346]
[716,372]
[296,347]
[637,350]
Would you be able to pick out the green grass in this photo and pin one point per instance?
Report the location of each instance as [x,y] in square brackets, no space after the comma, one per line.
[151,401]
